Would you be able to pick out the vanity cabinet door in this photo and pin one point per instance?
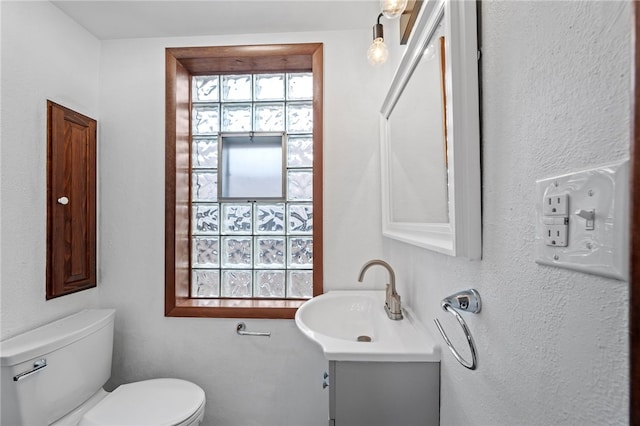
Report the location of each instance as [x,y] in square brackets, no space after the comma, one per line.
[71,201]
[384,393]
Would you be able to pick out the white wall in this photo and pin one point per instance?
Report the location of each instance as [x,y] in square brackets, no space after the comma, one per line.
[552,344]
[248,381]
[45,55]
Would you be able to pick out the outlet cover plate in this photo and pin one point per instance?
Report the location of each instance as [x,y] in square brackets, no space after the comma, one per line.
[603,250]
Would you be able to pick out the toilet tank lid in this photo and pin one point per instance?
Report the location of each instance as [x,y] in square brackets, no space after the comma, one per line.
[53,336]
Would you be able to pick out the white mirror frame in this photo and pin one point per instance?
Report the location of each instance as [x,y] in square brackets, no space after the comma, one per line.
[462,235]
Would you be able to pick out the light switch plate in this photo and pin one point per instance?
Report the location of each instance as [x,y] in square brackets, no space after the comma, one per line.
[602,250]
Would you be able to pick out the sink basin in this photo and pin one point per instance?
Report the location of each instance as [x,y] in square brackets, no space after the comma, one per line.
[353,326]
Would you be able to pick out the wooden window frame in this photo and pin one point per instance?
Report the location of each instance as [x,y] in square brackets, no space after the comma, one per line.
[181,64]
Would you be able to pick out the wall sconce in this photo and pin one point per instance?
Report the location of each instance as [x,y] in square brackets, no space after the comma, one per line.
[392,9]
[378,53]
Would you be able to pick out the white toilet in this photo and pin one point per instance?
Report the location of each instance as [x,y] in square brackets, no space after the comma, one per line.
[53,375]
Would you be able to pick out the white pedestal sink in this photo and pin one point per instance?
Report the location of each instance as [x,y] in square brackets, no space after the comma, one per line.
[353,326]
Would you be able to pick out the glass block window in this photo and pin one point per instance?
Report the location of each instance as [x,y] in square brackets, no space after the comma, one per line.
[252,248]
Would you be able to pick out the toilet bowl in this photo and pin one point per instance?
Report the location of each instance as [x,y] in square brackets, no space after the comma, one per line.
[53,375]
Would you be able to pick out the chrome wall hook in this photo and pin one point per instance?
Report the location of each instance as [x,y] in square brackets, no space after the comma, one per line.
[469,301]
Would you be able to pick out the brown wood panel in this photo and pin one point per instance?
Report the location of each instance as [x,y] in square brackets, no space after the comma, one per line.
[237,308]
[408,19]
[177,188]
[317,59]
[242,65]
[634,284]
[170,181]
[181,64]
[255,58]
[71,227]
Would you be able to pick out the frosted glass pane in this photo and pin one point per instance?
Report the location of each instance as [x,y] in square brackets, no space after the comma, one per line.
[269,118]
[270,252]
[299,185]
[269,219]
[236,117]
[205,252]
[300,252]
[300,86]
[206,119]
[206,88]
[300,218]
[300,284]
[205,153]
[300,151]
[204,186]
[300,117]
[236,218]
[269,87]
[236,252]
[236,283]
[251,167]
[236,88]
[269,284]
[205,283]
[205,218]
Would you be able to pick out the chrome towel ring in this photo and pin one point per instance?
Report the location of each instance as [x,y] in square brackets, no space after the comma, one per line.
[468,301]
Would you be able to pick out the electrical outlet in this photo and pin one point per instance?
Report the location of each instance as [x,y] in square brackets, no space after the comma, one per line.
[556,235]
[555,211]
[556,205]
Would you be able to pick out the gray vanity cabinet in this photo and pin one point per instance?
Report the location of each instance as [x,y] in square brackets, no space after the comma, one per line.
[384,393]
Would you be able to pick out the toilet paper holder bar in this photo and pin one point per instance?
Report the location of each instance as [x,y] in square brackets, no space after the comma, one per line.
[241,330]
[468,301]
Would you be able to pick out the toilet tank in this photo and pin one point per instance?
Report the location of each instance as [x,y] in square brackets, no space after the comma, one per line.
[77,351]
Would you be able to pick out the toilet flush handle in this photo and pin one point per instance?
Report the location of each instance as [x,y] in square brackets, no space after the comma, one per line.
[37,366]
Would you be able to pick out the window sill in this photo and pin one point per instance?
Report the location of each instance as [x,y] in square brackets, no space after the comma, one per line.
[235,308]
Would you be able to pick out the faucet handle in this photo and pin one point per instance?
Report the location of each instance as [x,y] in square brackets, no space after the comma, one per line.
[393,307]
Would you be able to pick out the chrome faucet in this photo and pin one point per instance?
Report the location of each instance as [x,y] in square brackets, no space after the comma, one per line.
[392,305]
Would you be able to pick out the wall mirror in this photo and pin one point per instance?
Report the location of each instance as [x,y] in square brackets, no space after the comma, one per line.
[430,137]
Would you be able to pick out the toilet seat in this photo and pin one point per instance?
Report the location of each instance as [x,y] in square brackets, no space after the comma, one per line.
[156,402]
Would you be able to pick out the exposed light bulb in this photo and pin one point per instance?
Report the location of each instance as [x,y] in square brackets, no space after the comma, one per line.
[377,53]
[393,8]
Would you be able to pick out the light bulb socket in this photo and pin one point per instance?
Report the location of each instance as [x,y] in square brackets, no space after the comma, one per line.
[378,31]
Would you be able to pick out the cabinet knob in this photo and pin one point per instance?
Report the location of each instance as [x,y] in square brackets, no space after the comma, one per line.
[63,200]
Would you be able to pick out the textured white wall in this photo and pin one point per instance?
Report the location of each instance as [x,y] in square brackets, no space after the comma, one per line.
[45,55]
[552,343]
[248,381]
